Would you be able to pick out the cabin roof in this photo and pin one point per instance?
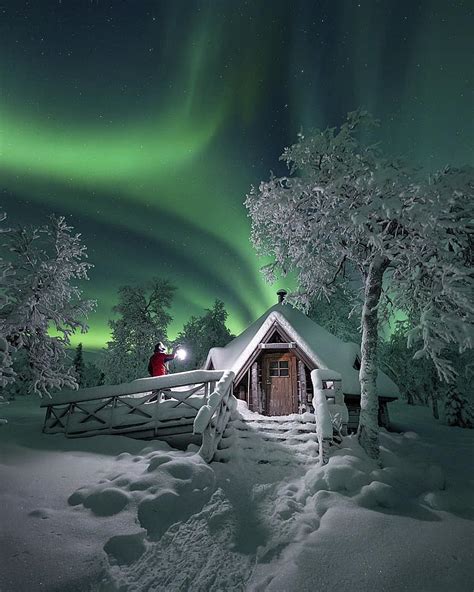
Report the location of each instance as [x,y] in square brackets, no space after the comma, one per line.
[324,349]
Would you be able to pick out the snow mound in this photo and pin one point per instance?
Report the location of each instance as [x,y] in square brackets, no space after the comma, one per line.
[107,501]
[350,477]
[378,494]
[164,485]
[125,549]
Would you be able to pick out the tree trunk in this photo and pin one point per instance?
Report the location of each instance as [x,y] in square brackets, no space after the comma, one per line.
[434,406]
[368,424]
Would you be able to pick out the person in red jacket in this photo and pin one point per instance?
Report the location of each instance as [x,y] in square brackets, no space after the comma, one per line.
[157,364]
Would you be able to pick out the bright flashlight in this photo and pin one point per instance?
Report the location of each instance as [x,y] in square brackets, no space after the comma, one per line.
[181,354]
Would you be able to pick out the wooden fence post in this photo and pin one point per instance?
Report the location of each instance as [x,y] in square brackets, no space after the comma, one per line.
[302,402]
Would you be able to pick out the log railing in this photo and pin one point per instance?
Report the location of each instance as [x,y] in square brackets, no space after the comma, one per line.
[148,407]
[214,416]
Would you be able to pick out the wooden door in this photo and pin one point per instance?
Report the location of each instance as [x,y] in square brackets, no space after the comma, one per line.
[279,374]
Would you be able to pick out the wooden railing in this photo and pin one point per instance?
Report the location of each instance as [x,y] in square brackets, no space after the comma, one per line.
[214,416]
[196,402]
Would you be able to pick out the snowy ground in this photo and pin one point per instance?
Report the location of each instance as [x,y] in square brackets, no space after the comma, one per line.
[170,522]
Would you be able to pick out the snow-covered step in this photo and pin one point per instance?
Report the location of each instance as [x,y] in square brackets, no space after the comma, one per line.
[277,424]
[277,456]
[284,438]
[265,461]
[271,421]
[268,431]
[284,429]
[271,445]
[278,441]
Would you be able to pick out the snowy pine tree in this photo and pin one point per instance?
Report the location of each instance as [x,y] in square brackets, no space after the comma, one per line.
[345,209]
[40,304]
[92,376]
[143,321]
[78,363]
[199,334]
[458,410]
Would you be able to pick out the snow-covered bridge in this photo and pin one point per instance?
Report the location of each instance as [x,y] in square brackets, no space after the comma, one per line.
[184,407]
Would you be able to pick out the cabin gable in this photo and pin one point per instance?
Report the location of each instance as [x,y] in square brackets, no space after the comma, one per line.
[274,339]
[275,377]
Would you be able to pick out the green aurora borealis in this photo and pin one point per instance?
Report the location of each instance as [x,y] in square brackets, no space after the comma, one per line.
[146,122]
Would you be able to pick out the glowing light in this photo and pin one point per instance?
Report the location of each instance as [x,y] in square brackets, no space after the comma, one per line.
[181,354]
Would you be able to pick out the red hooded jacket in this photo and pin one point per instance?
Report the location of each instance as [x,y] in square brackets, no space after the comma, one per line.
[157,363]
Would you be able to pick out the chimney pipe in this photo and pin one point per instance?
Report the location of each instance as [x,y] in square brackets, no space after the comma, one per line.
[281,295]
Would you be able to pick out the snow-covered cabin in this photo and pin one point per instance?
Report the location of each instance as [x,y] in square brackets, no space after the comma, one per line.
[272,360]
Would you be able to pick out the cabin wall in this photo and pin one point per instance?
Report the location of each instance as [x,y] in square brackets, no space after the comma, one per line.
[353,406]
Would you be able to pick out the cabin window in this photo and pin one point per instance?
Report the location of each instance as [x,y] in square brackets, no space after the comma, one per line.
[328,384]
[279,368]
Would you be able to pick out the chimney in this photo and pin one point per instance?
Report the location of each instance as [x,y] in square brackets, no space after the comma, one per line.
[281,295]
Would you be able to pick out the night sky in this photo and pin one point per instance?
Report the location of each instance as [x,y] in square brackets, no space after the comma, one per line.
[146,123]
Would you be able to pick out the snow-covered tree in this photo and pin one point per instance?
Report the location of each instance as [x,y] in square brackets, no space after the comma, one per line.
[345,209]
[40,304]
[199,334]
[78,363]
[418,380]
[420,383]
[143,321]
[7,374]
[340,314]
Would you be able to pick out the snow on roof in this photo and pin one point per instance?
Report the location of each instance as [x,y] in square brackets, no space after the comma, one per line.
[323,348]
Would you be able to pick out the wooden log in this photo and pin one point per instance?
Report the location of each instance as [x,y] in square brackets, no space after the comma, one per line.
[302,403]
[254,406]
[261,398]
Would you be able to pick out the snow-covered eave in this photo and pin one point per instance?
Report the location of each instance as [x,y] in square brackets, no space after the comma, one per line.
[209,361]
[273,317]
[388,398]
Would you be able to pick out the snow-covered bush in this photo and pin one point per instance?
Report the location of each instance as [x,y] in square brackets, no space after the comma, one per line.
[345,210]
[40,304]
